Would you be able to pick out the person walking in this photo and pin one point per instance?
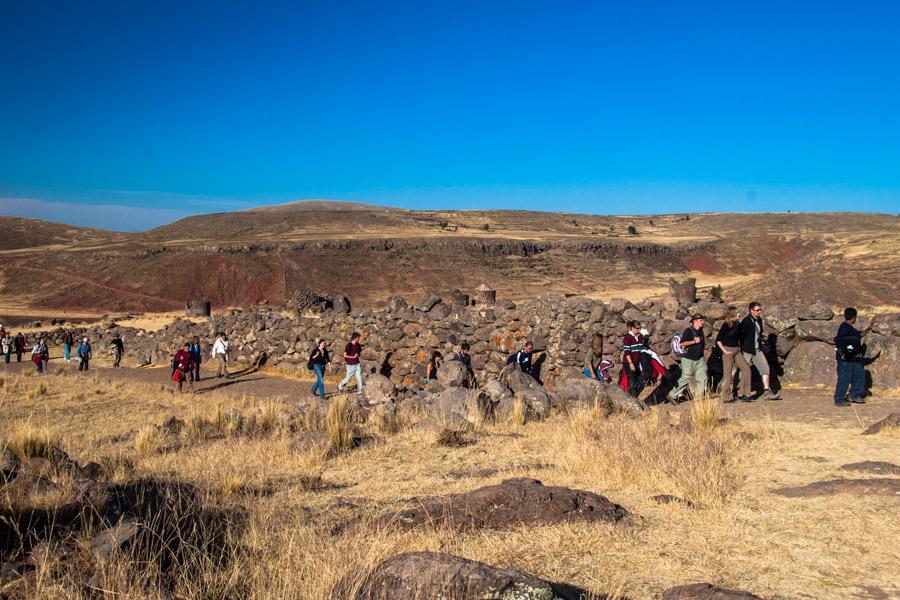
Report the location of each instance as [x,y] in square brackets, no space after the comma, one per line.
[20,347]
[184,362]
[729,342]
[593,357]
[220,355]
[320,361]
[84,353]
[434,363]
[352,353]
[6,346]
[68,340]
[693,364]
[632,345]
[849,354]
[118,350]
[752,345]
[196,352]
[40,355]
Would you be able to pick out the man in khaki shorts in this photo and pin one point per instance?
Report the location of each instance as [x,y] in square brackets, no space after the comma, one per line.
[752,343]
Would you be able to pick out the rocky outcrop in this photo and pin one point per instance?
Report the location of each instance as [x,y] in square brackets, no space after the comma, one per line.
[513,502]
[437,575]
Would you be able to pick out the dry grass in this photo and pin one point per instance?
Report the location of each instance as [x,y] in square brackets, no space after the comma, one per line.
[29,440]
[303,503]
[705,411]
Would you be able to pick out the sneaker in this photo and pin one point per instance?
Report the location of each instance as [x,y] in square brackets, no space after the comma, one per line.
[772,395]
[857,401]
[842,404]
[672,400]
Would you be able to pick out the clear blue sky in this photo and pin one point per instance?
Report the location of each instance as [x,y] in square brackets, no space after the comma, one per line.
[175,107]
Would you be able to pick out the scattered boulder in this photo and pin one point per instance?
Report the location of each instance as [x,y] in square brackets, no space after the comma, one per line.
[453,373]
[706,591]
[684,291]
[519,501]
[438,575]
[428,303]
[817,311]
[876,486]
[890,421]
[341,304]
[583,392]
[378,389]
[810,364]
[816,331]
[536,399]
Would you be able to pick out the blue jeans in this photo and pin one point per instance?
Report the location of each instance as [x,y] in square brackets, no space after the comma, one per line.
[351,371]
[67,349]
[319,385]
[849,375]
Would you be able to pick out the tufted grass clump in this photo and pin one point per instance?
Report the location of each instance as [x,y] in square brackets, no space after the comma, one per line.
[28,440]
[705,411]
[339,423]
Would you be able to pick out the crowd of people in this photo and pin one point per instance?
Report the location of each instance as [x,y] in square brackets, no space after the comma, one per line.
[739,346]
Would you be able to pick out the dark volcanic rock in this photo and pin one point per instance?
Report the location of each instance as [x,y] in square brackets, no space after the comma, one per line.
[875,486]
[892,420]
[508,504]
[705,591]
[874,466]
[436,575]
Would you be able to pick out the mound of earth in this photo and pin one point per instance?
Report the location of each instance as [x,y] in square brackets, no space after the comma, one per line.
[518,501]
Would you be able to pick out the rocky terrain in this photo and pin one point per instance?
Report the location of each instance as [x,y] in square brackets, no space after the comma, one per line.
[371,253]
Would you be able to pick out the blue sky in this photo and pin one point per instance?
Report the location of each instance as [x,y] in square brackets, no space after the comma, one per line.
[130,114]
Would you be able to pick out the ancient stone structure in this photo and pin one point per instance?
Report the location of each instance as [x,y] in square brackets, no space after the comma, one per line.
[198,308]
[485,295]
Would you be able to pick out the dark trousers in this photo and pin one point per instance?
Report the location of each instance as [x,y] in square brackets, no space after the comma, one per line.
[196,370]
[83,365]
[849,375]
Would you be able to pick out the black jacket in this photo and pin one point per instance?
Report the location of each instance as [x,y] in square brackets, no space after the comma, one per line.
[748,332]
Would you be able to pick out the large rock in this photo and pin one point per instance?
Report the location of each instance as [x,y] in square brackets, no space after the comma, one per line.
[588,393]
[453,373]
[890,421]
[705,591]
[535,397]
[514,502]
[816,331]
[341,304]
[779,317]
[684,291]
[378,389]
[811,363]
[436,575]
[883,357]
[817,311]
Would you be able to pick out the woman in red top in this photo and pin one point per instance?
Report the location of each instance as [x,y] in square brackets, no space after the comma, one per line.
[184,365]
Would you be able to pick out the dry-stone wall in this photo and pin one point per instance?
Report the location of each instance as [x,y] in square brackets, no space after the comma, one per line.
[399,337]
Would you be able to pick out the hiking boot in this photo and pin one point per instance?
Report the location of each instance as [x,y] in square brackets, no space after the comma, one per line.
[772,395]
[745,398]
[842,404]
[857,401]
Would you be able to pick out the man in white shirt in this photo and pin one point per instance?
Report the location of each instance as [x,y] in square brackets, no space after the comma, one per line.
[220,354]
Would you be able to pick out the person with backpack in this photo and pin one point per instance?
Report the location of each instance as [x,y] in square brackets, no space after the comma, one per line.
[40,355]
[84,353]
[752,345]
[729,342]
[434,363]
[352,352]
[632,344]
[523,358]
[184,363]
[20,347]
[319,361]
[593,357]
[68,341]
[691,344]
[652,368]
[197,353]
[220,355]
[118,350]
[849,354]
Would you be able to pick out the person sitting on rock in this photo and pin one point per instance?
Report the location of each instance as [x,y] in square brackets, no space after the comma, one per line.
[84,354]
[352,353]
[849,353]
[593,357]
[184,363]
[434,363]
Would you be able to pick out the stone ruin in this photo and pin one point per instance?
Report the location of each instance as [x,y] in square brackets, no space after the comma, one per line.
[198,308]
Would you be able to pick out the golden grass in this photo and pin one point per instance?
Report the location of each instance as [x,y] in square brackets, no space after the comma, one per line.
[706,410]
[305,504]
[29,440]
[339,422]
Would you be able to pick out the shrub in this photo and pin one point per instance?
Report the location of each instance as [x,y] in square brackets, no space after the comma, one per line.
[716,293]
[632,230]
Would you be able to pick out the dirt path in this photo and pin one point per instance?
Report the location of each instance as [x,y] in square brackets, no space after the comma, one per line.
[804,405]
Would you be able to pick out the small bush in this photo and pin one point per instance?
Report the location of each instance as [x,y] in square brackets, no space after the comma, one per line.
[716,293]
[632,230]
[339,423]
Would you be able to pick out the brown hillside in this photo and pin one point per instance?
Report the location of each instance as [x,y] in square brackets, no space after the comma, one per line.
[371,253]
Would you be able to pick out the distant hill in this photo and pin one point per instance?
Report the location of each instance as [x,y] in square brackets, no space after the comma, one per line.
[371,252]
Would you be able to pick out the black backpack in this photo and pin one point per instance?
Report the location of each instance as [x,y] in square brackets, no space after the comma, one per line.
[310,364]
[513,358]
[848,349]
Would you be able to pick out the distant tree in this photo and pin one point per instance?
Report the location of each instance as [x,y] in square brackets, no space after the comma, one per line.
[716,293]
[632,230]
[650,222]
[486,226]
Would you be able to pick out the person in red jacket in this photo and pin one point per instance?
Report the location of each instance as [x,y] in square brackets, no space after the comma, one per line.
[184,367]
